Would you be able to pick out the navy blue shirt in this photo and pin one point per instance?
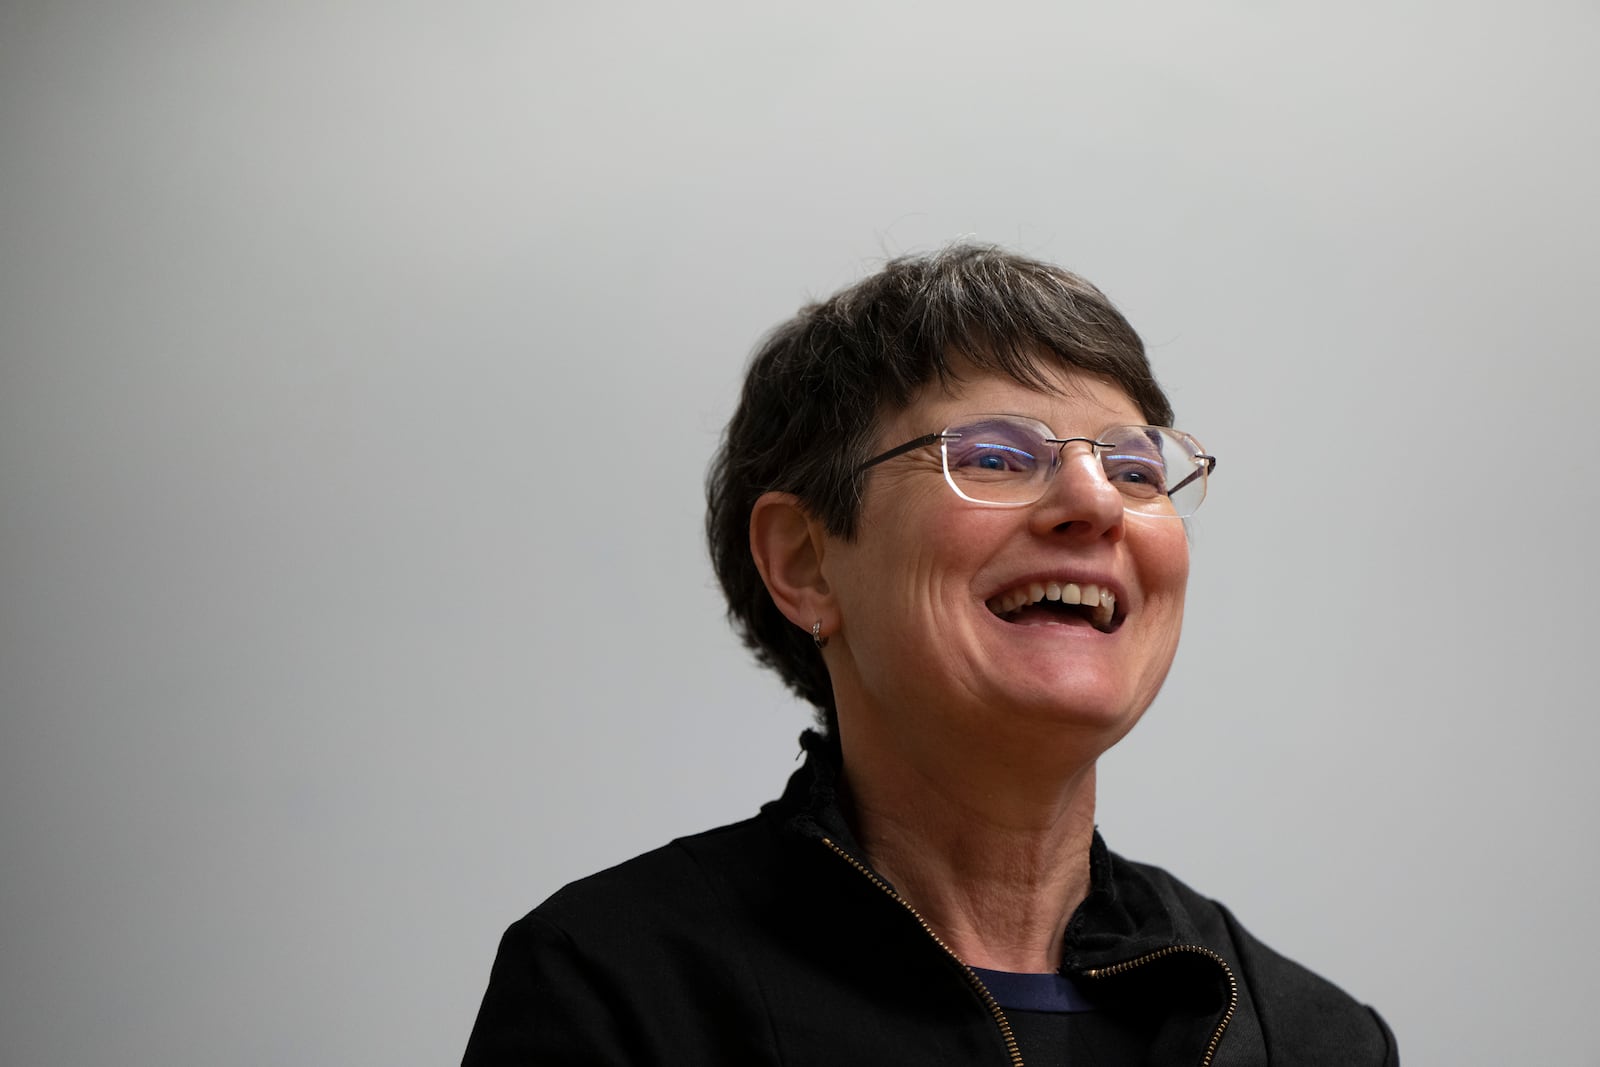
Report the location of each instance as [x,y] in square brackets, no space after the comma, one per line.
[1058,1024]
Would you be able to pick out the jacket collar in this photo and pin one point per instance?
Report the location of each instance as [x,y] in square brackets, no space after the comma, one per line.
[1127,914]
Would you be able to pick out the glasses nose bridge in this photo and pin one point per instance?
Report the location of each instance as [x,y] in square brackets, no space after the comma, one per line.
[1059,460]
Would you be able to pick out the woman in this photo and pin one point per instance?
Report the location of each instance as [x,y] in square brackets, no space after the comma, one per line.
[950,513]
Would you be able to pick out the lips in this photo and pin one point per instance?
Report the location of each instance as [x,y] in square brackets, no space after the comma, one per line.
[1037,600]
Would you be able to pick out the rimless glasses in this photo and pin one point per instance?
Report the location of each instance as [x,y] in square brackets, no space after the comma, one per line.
[1009,460]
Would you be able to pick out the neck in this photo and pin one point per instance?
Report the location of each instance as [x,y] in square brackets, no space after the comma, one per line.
[993,855]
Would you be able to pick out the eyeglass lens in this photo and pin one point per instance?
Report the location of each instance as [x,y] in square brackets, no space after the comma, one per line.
[1006,460]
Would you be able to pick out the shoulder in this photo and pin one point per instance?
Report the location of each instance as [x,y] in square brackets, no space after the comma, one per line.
[1302,1017]
[623,964]
[682,881]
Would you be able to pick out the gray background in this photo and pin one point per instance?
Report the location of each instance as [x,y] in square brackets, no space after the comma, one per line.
[361,363]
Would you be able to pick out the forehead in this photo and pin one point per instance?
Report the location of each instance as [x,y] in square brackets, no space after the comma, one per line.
[1074,403]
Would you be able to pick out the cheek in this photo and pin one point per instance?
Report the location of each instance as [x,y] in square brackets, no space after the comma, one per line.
[1163,554]
[1163,558]
[904,585]
[1163,562]
[926,551]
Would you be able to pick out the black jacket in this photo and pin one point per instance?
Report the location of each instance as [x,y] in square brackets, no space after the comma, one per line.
[771,941]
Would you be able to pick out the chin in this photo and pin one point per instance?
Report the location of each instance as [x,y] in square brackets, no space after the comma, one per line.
[1095,717]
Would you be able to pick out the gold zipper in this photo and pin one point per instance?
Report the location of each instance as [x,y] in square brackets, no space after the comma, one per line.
[1095,972]
[972,977]
[1233,985]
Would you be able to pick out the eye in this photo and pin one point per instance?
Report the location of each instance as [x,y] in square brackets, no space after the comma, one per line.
[1135,475]
[993,456]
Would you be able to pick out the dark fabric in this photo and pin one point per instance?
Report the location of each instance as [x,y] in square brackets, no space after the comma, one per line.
[1056,1025]
[1034,992]
[764,942]
[1058,1039]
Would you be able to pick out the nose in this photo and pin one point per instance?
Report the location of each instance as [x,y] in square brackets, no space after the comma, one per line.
[1079,499]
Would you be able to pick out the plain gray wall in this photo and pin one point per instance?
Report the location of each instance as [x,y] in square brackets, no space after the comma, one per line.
[359,364]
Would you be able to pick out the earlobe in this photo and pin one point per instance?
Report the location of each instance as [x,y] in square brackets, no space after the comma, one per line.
[788,545]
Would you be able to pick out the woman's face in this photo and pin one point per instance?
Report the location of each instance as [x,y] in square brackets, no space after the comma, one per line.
[922,591]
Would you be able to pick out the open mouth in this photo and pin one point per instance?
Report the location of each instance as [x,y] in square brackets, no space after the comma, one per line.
[1045,603]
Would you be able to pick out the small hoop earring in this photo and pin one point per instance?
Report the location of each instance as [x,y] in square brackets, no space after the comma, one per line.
[816,634]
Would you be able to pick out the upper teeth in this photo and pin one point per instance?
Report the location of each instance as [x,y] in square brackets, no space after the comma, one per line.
[1103,602]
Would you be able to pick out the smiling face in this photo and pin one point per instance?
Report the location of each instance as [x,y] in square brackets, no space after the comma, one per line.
[938,630]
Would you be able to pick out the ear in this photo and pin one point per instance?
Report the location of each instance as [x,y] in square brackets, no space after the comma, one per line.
[788,546]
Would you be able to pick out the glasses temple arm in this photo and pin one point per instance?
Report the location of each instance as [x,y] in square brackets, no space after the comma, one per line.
[910,446]
[1204,465]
